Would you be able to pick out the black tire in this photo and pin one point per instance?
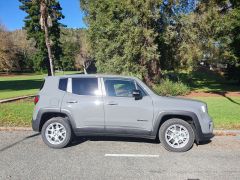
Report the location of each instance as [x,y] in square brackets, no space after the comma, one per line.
[67,127]
[171,122]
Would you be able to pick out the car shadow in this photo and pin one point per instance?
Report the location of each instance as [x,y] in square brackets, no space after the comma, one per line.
[17,142]
[16,85]
[81,139]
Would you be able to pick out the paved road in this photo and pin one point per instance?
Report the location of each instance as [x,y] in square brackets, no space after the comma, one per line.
[24,156]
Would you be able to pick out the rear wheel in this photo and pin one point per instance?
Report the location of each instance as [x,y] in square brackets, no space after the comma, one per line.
[176,135]
[56,133]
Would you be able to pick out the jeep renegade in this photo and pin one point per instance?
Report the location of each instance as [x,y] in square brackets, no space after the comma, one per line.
[94,105]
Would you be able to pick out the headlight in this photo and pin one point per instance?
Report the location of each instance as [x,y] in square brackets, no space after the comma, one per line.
[203,109]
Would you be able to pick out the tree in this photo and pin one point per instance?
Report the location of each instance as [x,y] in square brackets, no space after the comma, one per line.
[76,52]
[168,40]
[46,22]
[8,52]
[232,32]
[123,36]
[47,37]
[25,48]
[70,50]
[194,36]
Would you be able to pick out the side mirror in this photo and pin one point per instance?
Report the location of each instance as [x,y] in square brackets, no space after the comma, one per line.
[137,94]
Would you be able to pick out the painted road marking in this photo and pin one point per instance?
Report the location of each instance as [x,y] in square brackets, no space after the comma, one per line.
[131,155]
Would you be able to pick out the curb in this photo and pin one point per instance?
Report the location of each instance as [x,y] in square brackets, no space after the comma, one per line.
[216,132]
[226,132]
[15,99]
[15,129]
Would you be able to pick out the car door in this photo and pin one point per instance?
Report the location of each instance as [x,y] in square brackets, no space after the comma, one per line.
[84,102]
[124,114]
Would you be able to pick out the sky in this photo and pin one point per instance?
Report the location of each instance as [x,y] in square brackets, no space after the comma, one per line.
[12,17]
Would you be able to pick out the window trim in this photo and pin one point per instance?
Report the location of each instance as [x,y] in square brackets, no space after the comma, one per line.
[69,85]
[103,87]
[137,84]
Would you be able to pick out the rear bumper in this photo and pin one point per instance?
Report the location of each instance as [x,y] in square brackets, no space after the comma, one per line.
[35,124]
[36,121]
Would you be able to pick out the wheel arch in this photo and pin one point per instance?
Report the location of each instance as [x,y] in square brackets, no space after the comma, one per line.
[188,116]
[45,114]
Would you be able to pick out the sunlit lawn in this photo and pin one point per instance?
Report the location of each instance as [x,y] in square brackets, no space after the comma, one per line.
[20,85]
[203,80]
[18,113]
[225,111]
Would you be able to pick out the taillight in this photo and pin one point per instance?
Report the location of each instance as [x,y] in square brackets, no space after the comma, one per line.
[36,99]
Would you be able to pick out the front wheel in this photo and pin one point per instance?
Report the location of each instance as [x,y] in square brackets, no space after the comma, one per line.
[56,133]
[176,135]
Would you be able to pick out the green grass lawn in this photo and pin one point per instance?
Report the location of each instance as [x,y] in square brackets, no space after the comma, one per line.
[225,112]
[20,85]
[18,113]
[203,80]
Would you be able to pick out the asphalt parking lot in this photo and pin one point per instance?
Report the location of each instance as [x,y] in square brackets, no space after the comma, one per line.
[23,155]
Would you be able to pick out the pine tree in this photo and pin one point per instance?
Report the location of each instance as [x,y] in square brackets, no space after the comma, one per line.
[33,22]
[123,36]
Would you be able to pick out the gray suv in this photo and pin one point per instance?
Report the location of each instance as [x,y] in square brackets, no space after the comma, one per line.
[96,105]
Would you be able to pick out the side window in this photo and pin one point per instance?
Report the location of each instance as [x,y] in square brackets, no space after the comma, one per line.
[119,88]
[63,84]
[85,86]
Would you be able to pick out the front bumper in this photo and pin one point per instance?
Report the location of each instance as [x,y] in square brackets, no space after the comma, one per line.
[206,137]
[205,133]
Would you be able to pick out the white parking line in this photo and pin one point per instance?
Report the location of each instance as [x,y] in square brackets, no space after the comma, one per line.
[131,155]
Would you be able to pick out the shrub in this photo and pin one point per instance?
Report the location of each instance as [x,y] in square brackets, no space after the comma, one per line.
[170,88]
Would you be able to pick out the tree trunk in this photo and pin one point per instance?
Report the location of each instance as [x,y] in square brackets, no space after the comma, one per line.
[44,26]
[85,71]
[48,66]
[47,41]
[153,74]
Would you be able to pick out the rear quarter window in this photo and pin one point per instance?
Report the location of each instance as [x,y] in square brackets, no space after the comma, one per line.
[63,84]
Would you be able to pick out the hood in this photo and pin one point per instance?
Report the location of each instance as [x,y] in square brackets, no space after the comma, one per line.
[184,99]
[180,103]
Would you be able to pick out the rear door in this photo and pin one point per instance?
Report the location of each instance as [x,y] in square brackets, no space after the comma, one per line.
[84,101]
[124,114]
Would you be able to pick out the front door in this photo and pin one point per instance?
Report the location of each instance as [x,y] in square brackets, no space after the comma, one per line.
[124,114]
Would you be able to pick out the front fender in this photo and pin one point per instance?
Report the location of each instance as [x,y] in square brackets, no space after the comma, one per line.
[196,125]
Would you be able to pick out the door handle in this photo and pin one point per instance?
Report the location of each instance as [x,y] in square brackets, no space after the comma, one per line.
[112,103]
[71,102]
